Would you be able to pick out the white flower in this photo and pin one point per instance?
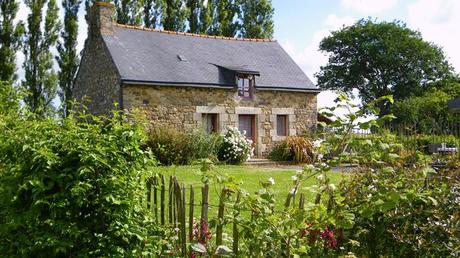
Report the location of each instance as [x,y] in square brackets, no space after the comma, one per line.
[271,180]
[293,190]
[320,177]
[332,187]
[317,143]
[294,178]
[299,172]
[320,156]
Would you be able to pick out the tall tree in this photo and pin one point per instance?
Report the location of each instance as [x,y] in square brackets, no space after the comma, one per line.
[206,10]
[194,11]
[256,19]
[173,15]
[224,17]
[151,11]
[40,78]
[379,59]
[10,39]
[68,58]
[128,11]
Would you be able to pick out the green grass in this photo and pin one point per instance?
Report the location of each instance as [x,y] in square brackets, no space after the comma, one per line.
[249,177]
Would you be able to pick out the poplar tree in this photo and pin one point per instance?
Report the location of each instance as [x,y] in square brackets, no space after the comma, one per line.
[224,13]
[173,15]
[40,78]
[256,18]
[206,10]
[128,11]
[10,39]
[194,11]
[68,58]
[151,12]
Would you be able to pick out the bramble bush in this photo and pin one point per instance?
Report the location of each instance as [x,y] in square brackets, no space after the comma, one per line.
[69,188]
[235,147]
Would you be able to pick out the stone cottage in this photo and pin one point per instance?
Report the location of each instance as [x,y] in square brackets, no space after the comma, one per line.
[187,80]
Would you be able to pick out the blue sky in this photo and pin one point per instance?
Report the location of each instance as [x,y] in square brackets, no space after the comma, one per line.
[301,24]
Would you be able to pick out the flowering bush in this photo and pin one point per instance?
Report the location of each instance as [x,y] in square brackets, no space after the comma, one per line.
[235,148]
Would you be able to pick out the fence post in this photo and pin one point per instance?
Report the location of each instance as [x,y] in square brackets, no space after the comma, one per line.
[220,217]
[162,200]
[170,200]
[235,226]
[149,189]
[155,197]
[182,222]
[302,201]
[190,214]
[204,213]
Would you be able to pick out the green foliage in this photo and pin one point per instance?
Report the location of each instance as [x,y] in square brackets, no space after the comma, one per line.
[68,59]
[10,39]
[72,189]
[173,147]
[223,17]
[151,13]
[235,148]
[426,113]
[256,19]
[294,148]
[379,59]
[403,212]
[128,12]
[173,15]
[9,99]
[40,78]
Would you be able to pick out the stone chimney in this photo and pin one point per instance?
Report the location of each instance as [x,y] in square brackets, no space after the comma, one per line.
[101,19]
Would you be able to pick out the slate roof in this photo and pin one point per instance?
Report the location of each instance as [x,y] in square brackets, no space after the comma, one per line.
[168,58]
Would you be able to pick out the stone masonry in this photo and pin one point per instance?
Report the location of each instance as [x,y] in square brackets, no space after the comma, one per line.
[182,108]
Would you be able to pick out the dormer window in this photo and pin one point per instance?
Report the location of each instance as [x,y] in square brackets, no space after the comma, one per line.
[245,84]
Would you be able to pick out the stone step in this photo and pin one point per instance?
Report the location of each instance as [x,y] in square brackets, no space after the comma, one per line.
[261,162]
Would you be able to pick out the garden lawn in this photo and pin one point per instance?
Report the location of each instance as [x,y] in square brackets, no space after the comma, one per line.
[250,178]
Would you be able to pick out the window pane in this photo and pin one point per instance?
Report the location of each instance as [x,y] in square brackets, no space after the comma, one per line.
[281,125]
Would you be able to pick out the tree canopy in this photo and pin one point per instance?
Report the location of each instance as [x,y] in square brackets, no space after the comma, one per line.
[379,59]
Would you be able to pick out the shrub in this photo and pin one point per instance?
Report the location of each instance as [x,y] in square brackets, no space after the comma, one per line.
[403,212]
[294,148]
[235,148]
[173,147]
[169,146]
[69,188]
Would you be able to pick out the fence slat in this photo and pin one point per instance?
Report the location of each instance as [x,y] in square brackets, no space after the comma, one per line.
[162,200]
[235,226]
[220,217]
[155,197]
[204,213]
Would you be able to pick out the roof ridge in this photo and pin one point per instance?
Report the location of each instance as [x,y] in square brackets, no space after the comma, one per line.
[191,34]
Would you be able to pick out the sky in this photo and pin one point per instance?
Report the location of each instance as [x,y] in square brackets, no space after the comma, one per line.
[301,24]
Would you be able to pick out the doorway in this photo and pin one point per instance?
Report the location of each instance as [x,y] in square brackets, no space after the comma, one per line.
[247,123]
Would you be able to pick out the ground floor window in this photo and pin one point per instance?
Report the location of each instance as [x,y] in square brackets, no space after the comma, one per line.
[210,123]
[281,125]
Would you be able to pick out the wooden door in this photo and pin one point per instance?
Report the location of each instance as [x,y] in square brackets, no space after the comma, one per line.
[247,123]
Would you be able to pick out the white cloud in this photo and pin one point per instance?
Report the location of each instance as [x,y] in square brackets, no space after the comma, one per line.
[309,58]
[369,6]
[439,22]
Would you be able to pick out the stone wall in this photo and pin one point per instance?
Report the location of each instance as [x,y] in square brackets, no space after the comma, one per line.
[182,108]
[97,84]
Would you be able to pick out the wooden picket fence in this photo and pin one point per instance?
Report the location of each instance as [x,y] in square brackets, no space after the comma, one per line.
[169,206]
